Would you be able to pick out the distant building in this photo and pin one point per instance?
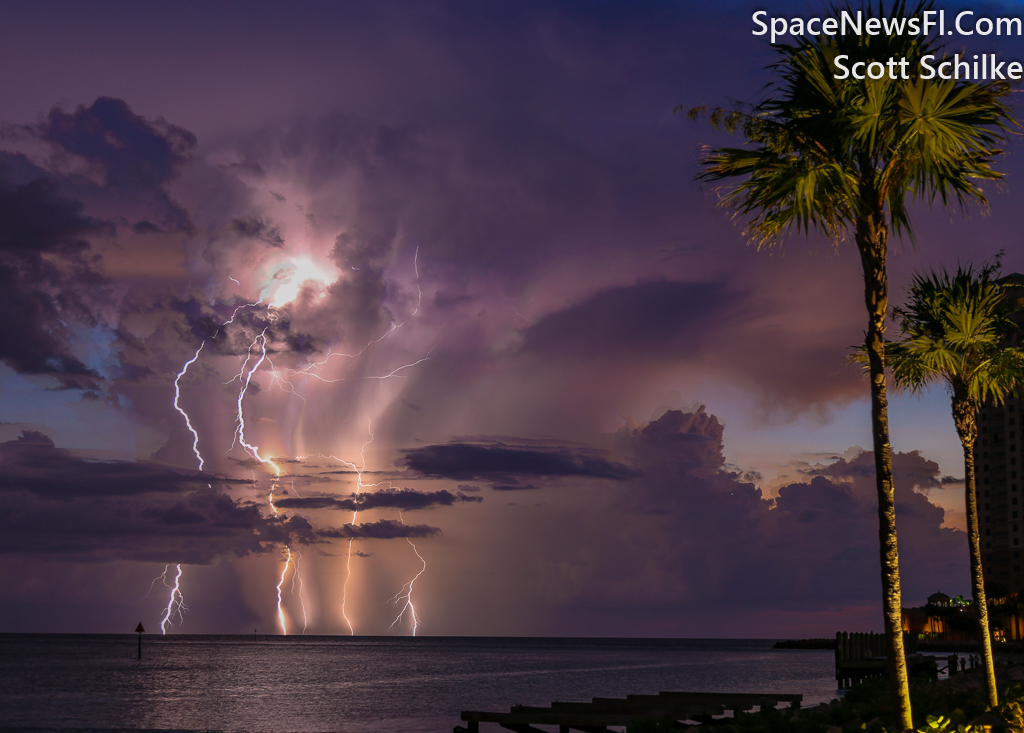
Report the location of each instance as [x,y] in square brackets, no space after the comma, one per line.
[942,618]
[998,462]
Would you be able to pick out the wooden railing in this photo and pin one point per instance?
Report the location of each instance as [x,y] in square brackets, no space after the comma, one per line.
[601,712]
[861,656]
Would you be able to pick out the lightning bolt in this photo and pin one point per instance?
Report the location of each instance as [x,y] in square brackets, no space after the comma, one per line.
[355,515]
[391,329]
[245,379]
[252,450]
[404,596]
[255,356]
[176,604]
[162,578]
[297,577]
[177,406]
[280,609]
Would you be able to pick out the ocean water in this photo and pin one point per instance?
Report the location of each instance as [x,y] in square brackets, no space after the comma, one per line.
[364,684]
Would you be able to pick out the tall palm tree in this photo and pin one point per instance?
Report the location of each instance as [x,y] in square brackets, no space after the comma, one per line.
[955,331]
[842,158]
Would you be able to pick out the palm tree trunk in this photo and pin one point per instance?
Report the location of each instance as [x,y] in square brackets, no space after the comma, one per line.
[871,242]
[964,417]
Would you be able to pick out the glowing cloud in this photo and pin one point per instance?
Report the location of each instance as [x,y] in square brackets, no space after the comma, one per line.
[287,279]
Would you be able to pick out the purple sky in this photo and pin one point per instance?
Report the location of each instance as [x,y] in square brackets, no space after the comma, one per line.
[449,261]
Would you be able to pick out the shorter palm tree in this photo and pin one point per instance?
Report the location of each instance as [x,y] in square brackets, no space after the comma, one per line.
[955,330]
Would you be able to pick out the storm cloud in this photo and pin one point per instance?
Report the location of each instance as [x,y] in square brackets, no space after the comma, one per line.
[487,225]
[816,541]
[382,529]
[401,499]
[132,157]
[61,506]
[465,461]
[48,276]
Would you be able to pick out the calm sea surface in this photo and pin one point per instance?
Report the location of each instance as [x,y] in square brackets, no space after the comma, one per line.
[363,684]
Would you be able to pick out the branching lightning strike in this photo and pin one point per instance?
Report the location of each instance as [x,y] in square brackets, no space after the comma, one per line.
[297,579]
[404,596]
[355,516]
[176,604]
[245,378]
[280,609]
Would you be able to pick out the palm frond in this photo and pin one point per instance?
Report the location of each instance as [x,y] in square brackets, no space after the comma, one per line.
[955,329]
[823,151]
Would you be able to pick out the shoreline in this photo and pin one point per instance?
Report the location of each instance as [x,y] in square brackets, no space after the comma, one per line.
[923,645]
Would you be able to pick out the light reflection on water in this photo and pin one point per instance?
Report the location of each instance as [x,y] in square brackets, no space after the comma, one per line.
[364,684]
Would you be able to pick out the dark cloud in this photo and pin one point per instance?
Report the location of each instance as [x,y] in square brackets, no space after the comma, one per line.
[691,440]
[402,499]
[705,325]
[816,541]
[834,525]
[33,464]
[497,462]
[58,505]
[255,227]
[382,529]
[117,166]
[650,318]
[48,277]
[569,268]
[232,326]
[909,469]
[135,158]
[512,485]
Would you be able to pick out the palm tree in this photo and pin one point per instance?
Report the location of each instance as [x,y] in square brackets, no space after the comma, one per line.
[840,157]
[955,331]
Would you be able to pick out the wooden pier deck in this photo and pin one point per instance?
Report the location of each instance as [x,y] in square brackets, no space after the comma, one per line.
[596,716]
[863,656]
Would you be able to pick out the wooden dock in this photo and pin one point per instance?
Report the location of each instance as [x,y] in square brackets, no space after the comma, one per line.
[863,656]
[596,716]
